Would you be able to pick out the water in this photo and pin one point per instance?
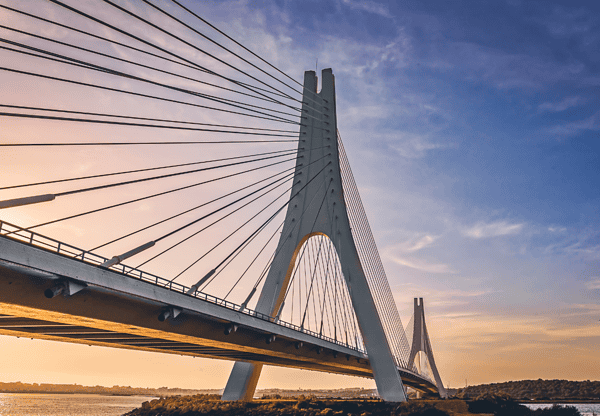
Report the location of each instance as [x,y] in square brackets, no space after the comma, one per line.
[20,404]
[586,409]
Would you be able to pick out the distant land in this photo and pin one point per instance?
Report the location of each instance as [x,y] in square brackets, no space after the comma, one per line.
[524,390]
[347,393]
[539,390]
[18,387]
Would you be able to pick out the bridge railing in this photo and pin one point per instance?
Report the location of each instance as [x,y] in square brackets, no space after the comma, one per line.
[29,237]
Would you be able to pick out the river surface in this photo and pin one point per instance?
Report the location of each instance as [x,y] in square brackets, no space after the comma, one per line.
[586,409]
[19,404]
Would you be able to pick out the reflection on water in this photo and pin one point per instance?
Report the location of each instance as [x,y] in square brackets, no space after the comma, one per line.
[586,409]
[19,404]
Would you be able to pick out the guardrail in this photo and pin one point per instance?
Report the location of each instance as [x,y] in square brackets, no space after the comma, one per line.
[23,235]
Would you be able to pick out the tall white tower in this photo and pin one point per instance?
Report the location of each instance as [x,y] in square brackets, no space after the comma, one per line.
[319,208]
[421,343]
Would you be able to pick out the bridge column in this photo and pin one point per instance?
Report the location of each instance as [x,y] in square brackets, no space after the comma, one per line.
[320,208]
[420,342]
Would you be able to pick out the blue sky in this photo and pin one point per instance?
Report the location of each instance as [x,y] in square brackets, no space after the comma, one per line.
[472,129]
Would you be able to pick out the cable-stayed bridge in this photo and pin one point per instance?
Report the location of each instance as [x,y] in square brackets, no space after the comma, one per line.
[256,247]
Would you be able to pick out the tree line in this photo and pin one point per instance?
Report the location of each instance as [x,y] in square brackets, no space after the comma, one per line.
[536,390]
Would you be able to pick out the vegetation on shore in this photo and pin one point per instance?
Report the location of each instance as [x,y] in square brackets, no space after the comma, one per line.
[540,390]
[200,405]
[18,387]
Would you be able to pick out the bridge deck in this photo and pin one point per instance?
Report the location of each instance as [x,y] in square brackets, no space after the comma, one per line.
[115,310]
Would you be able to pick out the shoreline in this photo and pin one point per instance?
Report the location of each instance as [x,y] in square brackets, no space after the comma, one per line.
[565,401]
[292,398]
[89,394]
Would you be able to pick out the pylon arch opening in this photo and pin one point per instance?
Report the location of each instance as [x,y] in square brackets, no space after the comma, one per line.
[316,295]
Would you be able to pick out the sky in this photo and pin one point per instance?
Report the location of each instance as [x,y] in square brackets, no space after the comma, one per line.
[472,131]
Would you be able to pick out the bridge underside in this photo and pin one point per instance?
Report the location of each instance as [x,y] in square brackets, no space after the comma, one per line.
[112,316]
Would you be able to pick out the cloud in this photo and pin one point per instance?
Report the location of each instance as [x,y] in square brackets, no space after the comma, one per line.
[466,293]
[556,107]
[422,265]
[584,245]
[593,284]
[565,22]
[415,244]
[452,297]
[414,146]
[369,7]
[456,297]
[574,128]
[484,64]
[587,309]
[496,326]
[457,315]
[495,229]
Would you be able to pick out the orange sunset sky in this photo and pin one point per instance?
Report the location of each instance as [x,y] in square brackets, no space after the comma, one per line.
[474,147]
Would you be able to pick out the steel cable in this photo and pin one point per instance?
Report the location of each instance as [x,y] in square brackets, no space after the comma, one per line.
[142,143]
[384,299]
[150,44]
[189,210]
[215,222]
[221,46]
[169,175]
[88,113]
[102,87]
[86,65]
[153,68]
[304,90]
[120,204]
[191,45]
[139,170]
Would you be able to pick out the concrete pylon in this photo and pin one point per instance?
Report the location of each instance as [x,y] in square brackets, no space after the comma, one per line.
[319,208]
[420,342]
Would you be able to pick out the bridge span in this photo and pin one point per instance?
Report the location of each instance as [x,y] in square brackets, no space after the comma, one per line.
[115,308]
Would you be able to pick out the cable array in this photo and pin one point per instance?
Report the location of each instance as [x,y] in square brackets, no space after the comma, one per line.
[318,298]
[372,266]
[194,89]
[216,121]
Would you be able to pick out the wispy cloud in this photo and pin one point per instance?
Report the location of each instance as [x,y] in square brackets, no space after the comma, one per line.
[456,315]
[584,245]
[442,302]
[494,229]
[593,284]
[503,70]
[564,104]
[369,7]
[587,251]
[422,265]
[453,298]
[574,128]
[414,146]
[545,329]
[566,22]
[415,244]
